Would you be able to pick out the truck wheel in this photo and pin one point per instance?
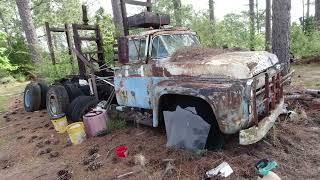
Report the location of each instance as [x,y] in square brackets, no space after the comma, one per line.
[215,139]
[57,100]
[44,89]
[32,97]
[80,106]
[73,91]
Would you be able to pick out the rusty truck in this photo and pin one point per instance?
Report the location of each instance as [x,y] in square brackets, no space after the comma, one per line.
[234,92]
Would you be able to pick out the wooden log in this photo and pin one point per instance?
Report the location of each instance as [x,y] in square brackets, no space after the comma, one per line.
[298,97]
[49,40]
[313,92]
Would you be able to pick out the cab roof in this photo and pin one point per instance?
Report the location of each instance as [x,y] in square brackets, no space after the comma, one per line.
[162,31]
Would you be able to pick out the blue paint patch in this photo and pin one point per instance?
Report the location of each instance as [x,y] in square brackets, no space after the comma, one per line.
[135,91]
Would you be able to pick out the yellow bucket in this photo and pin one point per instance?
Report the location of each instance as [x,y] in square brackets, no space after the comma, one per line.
[76,132]
[60,124]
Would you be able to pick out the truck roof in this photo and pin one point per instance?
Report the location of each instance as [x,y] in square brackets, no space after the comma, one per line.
[162,31]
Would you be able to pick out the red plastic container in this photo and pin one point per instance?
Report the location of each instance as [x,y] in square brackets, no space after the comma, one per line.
[122,151]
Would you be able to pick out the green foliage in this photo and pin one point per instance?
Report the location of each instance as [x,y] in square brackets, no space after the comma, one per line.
[20,57]
[232,31]
[304,44]
[54,72]
[5,64]
[166,7]
[57,12]
[107,28]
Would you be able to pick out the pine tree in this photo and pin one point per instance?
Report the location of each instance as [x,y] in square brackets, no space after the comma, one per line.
[29,29]
[211,10]
[281,31]
[317,12]
[252,24]
[177,12]
[268,25]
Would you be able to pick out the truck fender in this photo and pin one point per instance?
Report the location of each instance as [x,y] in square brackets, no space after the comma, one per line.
[224,99]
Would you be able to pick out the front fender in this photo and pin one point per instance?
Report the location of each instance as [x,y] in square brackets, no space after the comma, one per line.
[225,99]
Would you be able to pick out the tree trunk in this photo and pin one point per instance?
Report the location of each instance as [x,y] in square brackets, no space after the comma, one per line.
[317,12]
[177,12]
[303,16]
[29,29]
[117,17]
[308,9]
[281,31]
[257,17]
[5,29]
[211,10]
[268,25]
[252,33]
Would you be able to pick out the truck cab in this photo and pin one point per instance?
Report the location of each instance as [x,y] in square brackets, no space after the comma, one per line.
[233,92]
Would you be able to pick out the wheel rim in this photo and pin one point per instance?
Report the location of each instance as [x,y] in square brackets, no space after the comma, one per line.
[27,98]
[53,105]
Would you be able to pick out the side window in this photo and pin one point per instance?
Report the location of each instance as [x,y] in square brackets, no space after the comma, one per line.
[137,50]
[158,49]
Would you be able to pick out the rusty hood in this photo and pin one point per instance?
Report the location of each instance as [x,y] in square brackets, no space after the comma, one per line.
[219,64]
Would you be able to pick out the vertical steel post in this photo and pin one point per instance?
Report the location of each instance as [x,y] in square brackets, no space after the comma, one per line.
[267,93]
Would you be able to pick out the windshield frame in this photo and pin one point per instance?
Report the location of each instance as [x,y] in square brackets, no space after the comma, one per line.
[165,43]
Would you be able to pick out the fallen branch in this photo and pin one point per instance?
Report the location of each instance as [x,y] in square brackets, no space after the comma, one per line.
[298,97]
[313,92]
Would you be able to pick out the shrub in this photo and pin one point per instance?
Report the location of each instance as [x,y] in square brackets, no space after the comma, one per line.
[52,72]
[304,44]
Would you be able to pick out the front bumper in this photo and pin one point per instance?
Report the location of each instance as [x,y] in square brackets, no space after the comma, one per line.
[256,133]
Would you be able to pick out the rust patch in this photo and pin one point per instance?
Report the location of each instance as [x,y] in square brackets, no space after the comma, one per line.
[252,65]
[196,54]
[159,71]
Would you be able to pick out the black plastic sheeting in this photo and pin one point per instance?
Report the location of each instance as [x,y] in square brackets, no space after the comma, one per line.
[185,129]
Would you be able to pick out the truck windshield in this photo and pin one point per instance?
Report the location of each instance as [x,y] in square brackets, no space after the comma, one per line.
[165,45]
[137,49]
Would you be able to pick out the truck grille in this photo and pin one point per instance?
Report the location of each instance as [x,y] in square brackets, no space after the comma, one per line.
[265,98]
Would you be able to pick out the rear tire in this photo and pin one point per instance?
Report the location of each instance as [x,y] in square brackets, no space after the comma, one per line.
[80,106]
[44,89]
[57,100]
[32,97]
[73,91]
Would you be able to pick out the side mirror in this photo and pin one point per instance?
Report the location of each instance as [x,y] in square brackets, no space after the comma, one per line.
[123,50]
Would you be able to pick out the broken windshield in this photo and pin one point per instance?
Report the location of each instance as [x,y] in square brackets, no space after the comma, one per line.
[137,49]
[165,45]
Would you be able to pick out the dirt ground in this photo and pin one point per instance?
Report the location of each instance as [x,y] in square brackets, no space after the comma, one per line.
[31,149]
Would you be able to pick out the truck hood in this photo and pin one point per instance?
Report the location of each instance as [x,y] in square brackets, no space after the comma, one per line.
[234,65]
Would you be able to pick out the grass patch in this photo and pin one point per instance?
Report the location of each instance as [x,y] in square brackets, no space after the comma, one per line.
[307,75]
[8,91]
[116,124]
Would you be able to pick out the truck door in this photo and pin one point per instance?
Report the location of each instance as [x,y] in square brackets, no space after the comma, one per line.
[132,82]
